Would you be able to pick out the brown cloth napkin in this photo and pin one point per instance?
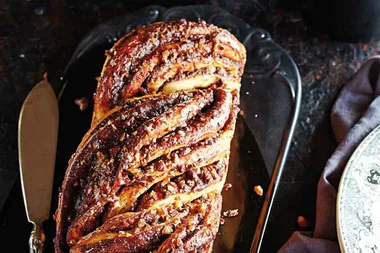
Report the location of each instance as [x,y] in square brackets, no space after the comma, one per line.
[355,114]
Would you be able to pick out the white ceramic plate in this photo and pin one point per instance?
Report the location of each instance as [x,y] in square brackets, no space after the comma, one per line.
[358,201]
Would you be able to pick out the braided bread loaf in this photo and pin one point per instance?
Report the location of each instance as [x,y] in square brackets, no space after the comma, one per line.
[148,175]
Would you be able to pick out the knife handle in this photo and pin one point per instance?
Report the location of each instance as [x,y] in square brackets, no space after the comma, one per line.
[36,239]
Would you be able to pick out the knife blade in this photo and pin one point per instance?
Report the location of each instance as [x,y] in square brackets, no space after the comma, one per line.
[37,143]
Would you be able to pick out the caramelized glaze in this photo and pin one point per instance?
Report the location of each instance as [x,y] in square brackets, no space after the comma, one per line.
[148,175]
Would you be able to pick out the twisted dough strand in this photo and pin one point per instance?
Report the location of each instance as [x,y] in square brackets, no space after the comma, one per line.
[148,175]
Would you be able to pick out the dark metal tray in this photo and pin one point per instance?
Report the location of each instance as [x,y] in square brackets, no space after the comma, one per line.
[270,100]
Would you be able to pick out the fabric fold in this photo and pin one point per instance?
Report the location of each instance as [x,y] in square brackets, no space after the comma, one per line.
[355,114]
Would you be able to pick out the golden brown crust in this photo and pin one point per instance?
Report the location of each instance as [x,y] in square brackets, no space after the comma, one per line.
[189,185]
[148,175]
[143,61]
[198,230]
[189,227]
[103,139]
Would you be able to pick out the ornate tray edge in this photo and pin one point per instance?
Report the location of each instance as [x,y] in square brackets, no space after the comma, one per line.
[248,34]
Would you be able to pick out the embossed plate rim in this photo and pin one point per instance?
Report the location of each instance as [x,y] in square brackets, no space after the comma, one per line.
[343,187]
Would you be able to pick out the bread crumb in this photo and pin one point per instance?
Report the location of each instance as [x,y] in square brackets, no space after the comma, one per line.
[258,190]
[302,222]
[231,213]
[167,230]
[222,221]
[241,113]
[82,103]
[178,242]
[226,187]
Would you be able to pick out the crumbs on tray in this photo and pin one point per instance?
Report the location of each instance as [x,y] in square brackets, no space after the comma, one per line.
[258,190]
[231,213]
[82,103]
[226,187]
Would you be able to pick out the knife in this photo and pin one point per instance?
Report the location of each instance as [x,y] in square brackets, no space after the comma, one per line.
[37,143]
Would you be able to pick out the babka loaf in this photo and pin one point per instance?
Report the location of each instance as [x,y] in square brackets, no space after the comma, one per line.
[148,175]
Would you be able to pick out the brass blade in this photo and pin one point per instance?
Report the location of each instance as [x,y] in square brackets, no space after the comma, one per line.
[37,142]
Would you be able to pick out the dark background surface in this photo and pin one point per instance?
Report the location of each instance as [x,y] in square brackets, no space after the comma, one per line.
[40,36]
